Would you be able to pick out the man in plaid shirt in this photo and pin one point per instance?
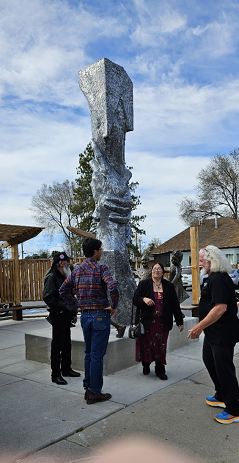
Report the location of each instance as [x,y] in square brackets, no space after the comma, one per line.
[90,280]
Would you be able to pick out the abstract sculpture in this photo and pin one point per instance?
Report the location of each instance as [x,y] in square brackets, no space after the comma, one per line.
[109,92]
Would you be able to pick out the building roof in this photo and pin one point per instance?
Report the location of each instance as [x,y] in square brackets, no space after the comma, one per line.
[16,234]
[225,236]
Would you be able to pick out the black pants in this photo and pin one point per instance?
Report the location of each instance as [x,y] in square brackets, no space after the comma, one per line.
[218,360]
[61,342]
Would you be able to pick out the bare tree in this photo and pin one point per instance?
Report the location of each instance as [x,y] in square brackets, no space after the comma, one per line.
[154,243]
[52,208]
[217,190]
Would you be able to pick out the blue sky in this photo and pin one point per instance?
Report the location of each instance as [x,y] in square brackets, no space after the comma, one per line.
[182,56]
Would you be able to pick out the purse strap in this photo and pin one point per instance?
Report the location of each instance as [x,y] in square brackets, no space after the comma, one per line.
[132,315]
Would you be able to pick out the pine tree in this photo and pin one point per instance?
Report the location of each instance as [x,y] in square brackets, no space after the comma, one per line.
[84,202]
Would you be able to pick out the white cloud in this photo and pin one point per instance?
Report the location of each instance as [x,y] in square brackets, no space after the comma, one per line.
[37,151]
[199,30]
[155,20]
[163,182]
[217,38]
[183,115]
[168,175]
[172,21]
[186,95]
[41,57]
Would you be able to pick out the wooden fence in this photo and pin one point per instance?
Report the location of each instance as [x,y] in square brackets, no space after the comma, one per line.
[32,274]
[32,278]
[7,281]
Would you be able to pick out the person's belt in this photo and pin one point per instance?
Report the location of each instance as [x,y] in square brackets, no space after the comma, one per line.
[91,310]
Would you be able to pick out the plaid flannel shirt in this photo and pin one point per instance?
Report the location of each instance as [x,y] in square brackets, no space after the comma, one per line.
[90,282]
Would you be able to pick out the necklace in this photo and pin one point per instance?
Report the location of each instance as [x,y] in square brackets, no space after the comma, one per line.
[159,288]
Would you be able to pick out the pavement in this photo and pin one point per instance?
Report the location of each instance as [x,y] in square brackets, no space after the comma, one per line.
[41,421]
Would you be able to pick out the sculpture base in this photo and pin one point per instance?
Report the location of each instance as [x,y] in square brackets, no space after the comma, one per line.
[118,263]
[120,352]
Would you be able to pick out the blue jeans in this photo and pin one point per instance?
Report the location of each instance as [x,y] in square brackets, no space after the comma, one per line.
[96,329]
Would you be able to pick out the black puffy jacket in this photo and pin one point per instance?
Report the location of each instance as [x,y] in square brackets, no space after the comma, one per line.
[51,296]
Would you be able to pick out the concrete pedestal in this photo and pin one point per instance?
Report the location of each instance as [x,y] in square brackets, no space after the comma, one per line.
[120,352]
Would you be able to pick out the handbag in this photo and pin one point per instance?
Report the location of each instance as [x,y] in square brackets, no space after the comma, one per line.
[135,332]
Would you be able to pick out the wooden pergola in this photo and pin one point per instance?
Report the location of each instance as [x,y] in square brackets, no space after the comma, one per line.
[13,235]
[79,232]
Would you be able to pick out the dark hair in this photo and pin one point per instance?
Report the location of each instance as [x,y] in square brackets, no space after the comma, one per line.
[89,246]
[161,265]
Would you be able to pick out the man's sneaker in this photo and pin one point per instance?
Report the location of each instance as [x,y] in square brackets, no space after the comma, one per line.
[213,402]
[225,418]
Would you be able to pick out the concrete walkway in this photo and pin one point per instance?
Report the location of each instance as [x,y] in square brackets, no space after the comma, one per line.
[41,421]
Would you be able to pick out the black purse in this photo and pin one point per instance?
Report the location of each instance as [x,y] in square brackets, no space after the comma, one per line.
[135,332]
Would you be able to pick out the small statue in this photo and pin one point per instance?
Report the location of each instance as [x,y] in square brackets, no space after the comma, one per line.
[144,271]
[175,276]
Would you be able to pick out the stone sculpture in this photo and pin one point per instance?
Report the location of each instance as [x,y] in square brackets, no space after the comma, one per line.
[109,92]
[175,276]
[145,271]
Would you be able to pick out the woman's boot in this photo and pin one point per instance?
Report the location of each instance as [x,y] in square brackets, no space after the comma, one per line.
[160,371]
[146,369]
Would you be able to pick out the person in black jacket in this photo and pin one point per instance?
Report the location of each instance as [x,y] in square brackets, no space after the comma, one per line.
[218,320]
[61,315]
[156,301]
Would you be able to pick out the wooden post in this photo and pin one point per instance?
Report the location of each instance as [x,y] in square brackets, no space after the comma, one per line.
[195,264]
[17,314]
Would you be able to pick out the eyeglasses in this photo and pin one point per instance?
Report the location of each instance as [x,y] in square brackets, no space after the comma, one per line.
[157,270]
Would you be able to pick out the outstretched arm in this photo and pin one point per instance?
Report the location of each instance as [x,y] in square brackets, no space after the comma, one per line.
[217,311]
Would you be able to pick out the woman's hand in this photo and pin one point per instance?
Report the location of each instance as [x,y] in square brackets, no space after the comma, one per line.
[148,301]
[181,327]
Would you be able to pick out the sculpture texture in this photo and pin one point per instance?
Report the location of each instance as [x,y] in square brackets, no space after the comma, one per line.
[109,92]
[175,276]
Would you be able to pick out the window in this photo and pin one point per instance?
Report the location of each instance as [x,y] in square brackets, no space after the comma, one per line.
[230,258]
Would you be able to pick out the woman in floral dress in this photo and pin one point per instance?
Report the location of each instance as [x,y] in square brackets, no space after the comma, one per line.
[157,303]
